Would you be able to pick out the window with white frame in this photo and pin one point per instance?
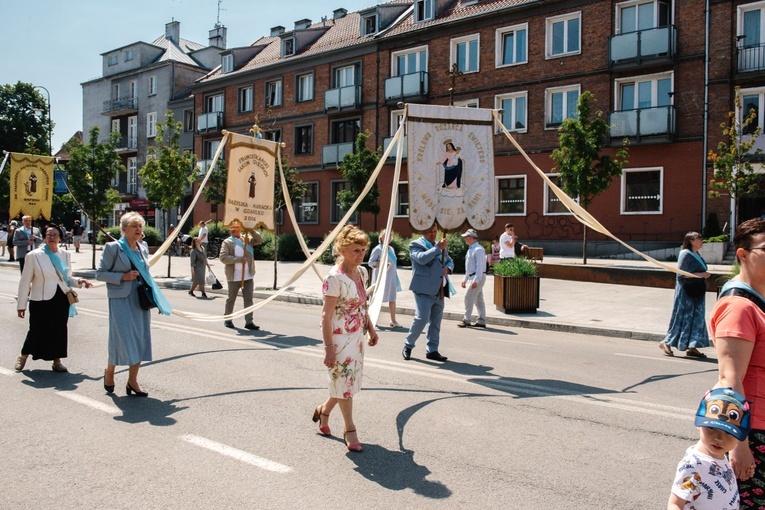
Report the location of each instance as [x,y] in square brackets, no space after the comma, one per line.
[188,120]
[750,24]
[514,112]
[511,194]
[151,125]
[273,93]
[512,45]
[637,15]
[227,63]
[465,51]
[560,104]
[337,210]
[402,200]
[304,88]
[467,103]
[132,175]
[304,139]
[564,34]
[307,207]
[396,118]
[209,148]
[642,190]
[115,126]
[344,76]
[112,60]
[288,47]
[423,10]
[639,92]
[752,101]
[133,89]
[129,55]
[369,24]
[409,61]
[214,103]
[116,90]
[553,204]
[152,85]
[245,99]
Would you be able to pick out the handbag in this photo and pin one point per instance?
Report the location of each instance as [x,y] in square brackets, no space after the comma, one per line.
[145,295]
[210,278]
[694,287]
[71,295]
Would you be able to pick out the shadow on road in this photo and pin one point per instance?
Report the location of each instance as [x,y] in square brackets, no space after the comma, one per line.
[48,379]
[145,409]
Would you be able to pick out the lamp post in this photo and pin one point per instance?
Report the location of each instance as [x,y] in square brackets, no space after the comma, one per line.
[50,127]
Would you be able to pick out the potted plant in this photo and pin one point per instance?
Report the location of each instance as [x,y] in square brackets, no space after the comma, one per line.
[516,285]
[714,249]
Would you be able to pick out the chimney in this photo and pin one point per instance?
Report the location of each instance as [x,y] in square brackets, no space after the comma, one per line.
[339,13]
[173,31]
[277,30]
[217,37]
[302,24]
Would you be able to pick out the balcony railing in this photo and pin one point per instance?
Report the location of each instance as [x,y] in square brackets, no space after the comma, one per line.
[407,86]
[635,48]
[392,155]
[658,121]
[343,98]
[212,121]
[751,58]
[333,154]
[127,144]
[121,105]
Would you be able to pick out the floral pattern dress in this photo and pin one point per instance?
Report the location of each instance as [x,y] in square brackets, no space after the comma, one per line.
[348,331]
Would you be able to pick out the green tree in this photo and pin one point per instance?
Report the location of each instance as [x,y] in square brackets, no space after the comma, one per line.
[584,171]
[733,170]
[92,166]
[296,189]
[357,168]
[215,189]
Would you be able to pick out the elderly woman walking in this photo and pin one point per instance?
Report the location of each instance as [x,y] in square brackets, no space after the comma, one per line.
[391,286]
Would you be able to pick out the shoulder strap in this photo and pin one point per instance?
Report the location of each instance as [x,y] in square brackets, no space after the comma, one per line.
[738,291]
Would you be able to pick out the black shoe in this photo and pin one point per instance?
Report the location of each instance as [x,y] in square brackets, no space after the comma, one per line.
[192,294]
[407,353]
[204,295]
[435,356]
[463,324]
[132,391]
[479,325]
[251,326]
[229,324]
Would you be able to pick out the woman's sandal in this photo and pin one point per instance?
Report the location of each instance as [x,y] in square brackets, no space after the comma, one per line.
[695,353]
[317,414]
[353,447]
[666,349]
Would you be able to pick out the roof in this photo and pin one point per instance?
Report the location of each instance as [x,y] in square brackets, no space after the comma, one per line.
[177,52]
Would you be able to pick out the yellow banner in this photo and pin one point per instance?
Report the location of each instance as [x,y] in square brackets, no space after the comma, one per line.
[250,188]
[31,185]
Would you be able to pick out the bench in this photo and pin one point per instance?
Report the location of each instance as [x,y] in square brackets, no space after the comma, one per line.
[536,254]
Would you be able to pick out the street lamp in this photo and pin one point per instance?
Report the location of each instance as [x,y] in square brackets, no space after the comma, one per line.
[50,122]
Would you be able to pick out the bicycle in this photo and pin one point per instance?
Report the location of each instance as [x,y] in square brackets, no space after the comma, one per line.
[213,249]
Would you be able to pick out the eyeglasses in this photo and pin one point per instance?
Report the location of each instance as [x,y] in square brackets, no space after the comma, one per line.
[757,248]
[52,235]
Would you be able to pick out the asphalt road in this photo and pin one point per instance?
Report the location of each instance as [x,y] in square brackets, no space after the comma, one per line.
[517,419]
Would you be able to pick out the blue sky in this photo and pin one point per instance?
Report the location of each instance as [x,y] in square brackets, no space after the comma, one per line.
[57,44]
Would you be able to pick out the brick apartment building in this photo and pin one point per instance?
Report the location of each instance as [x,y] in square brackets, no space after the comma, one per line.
[317,86]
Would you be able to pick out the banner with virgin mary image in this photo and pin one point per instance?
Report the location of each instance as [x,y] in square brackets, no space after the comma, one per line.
[451,166]
[250,187]
[31,185]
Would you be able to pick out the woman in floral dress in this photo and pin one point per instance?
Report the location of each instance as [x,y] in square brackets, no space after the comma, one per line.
[344,324]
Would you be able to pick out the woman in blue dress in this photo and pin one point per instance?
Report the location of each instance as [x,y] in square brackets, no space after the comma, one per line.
[391,285]
[688,326]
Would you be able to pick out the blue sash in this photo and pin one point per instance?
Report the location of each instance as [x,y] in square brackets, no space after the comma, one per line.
[393,264]
[140,265]
[63,271]
[452,290]
[240,244]
[698,259]
[738,284]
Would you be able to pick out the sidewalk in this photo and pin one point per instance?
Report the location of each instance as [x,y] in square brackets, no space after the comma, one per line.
[621,311]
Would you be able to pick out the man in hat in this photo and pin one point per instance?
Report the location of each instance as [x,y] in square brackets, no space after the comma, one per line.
[239,262]
[475,278]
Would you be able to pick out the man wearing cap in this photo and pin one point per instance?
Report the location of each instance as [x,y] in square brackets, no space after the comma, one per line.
[475,278]
[239,262]
[431,265]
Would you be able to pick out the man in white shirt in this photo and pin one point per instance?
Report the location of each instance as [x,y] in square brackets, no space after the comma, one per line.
[507,242]
[203,235]
[26,239]
[474,280]
[239,262]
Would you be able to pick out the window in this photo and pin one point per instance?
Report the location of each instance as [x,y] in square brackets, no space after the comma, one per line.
[642,15]
[465,53]
[132,176]
[396,118]
[115,126]
[116,90]
[423,10]
[209,148]
[345,76]
[129,55]
[152,85]
[304,139]
[304,88]
[133,89]
[337,211]
[369,24]
[553,204]
[644,92]
[345,131]
[214,103]
[245,99]
[409,61]
[402,200]
[307,208]
[188,120]
[132,132]
[512,45]
[560,104]
[288,47]
[642,191]
[511,195]
[563,34]
[227,63]
[467,103]
[151,124]
[275,135]
[514,110]
[112,60]
[273,93]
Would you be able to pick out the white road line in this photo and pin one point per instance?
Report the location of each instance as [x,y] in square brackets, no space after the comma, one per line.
[95,404]
[5,371]
[234,453]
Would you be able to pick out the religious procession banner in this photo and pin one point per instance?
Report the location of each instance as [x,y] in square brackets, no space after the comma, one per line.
[250,187]
[31,185]
[451,166]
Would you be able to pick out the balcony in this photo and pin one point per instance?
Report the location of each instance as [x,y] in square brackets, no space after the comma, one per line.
[392,155]
[120,106]
[343,98]
[334,154]
[655,124]
[407,87]
[210,122]
[751,59]
[644,47]
[127,144]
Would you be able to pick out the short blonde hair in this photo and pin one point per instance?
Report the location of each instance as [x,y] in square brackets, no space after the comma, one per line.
[350,234]
[131,218]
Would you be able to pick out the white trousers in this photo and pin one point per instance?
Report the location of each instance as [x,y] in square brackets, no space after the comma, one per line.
[474,297]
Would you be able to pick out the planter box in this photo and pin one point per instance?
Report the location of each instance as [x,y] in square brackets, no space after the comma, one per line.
[713,253]
[153,249]
[516,294]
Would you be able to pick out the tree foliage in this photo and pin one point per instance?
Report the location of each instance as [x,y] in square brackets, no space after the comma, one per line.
[296,189]
[215,190]
[357,168]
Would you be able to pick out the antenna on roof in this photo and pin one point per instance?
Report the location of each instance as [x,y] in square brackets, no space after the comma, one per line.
[323,20]
[218,24]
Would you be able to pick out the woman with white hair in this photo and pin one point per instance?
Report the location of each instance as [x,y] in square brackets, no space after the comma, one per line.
[391,285]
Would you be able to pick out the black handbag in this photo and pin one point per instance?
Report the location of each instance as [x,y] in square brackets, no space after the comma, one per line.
[145,295]
[694,287]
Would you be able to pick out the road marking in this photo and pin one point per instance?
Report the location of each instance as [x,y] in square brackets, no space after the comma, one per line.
[237,454]
[504,340]
[95,404]
[673,359]
[5,371]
